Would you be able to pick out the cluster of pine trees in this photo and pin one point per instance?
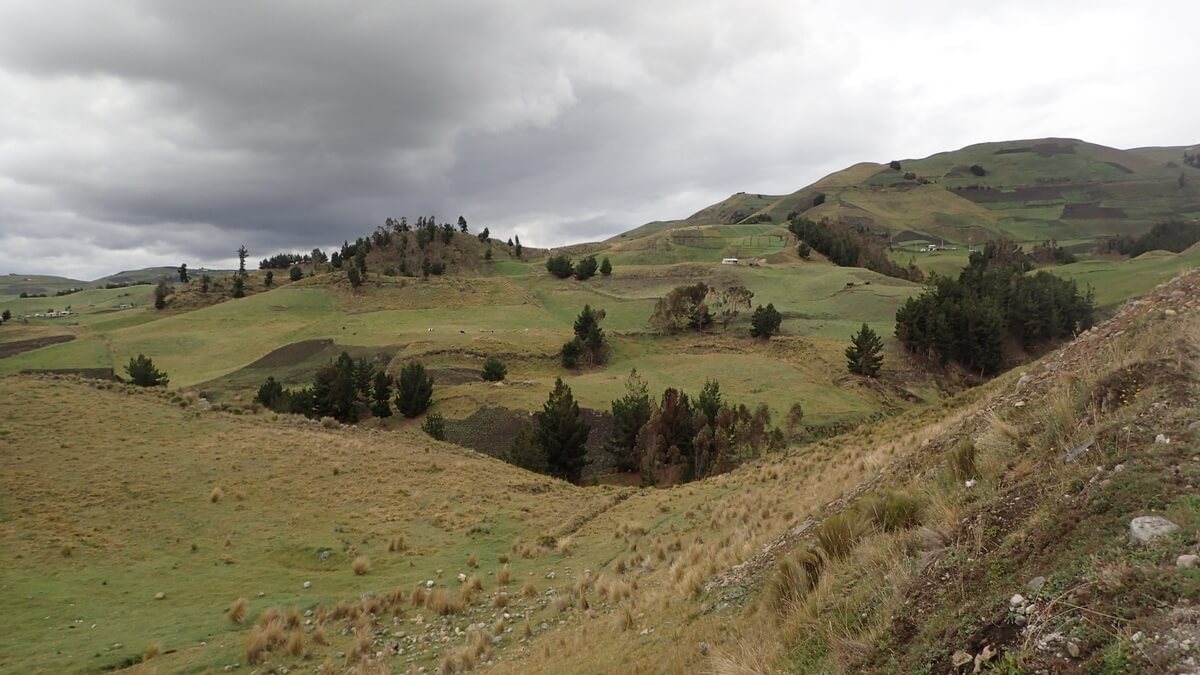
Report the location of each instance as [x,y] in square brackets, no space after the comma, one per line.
[702,436]
[968,319]
[283,261]
[848,246]
[561,266]
[1175,236]
[345,388]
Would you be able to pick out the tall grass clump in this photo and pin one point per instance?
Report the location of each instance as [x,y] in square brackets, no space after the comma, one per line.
[794,577]
[839,533]
[893,510]
[237,611]
[961,461]
[362,565]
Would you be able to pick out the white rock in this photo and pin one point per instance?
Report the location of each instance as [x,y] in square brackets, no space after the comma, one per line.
[1162,438]
[1188,560]
[160,595]
[1144,529]
[1017,600]
[461,577]
[308,584]
[429,583]
[971,483]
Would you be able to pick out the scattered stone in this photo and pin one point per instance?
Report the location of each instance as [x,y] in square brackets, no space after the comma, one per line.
[1019,404]
[1024,380]
[1169,312]
[961,659]
[429,583]
[1080,449]
[1138,636]
[324,555]
[461,577]
[1017,600]
[118,645]
[262,594]
[971,482]
[308,584]
[160,596]
[1036,584]
[1020,619]
[1073,650]
[1144,529]
[703,648]
[983,657]
[1162,439]
[1188,560]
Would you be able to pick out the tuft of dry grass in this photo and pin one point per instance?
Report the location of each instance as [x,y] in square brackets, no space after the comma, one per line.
[216,494]
[503,575]
[397,545]
[66,550]
[473,561]
[839,533]
[152,650]
[892,510]
[561,603]
[237,611]
[319,637]
[295,643]
[961,461]
[442,603]
[503,557]
[500,601]
[361,565]
[528,589]
[624,619]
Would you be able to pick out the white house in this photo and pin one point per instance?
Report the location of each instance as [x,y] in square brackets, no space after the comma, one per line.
[729,261]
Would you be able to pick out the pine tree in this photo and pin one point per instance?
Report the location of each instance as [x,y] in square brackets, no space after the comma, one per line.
[364,374]
[630,413]
[435,426]
[462,224]
[605,267]
[269,393]
[864,355]
[561,433]
[765,321]
[517,245]
[141,371]
[242,253]
[6,315]
[183,274]
[354,276]
[295,274]
[709,401]
[239,286]
[381,393]
[414,390]
[269,279]
[205,281]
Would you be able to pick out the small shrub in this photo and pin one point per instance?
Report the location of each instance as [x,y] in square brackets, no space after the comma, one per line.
[494,369]
[561,603]
[839,533]
[361,565]
[500,601]
[961,461]
[319,637]
[528,589]
[503,576]
[295,643]
[435,426]
[66,550]
[152,650]
[329,423]
[215,495]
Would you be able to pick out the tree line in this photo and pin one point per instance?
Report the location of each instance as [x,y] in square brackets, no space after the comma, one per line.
[1174,236]
[561,266]
[848,246]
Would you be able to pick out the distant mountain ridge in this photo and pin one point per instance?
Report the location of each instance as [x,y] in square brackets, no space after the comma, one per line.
[1025,190]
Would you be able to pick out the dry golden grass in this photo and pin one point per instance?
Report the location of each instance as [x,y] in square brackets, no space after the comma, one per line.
[528,589]
[152,650]
[318,636]
[295,643]
[473,561]
[503,575]
[361,565]
[216,495]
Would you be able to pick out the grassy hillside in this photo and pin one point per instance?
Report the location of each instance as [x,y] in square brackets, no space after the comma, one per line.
[162,496]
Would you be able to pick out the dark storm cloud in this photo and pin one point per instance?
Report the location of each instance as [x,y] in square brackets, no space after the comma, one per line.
[137,133]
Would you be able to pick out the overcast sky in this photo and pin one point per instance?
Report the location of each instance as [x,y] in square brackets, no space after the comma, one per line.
[136,133]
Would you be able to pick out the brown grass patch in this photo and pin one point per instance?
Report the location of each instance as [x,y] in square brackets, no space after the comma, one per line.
[237,611]
[361,565]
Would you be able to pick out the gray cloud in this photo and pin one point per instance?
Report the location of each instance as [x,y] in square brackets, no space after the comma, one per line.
[142,133]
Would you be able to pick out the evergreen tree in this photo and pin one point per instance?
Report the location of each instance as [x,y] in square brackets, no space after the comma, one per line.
[494,370]
[239,286]
[804,250]
[414,390]
[295,274]
[765,321]
[183,274]
[141,371]
[269,279]
[160,294]
[589,344]
[571,353]
[586,269]
[561,433]
[483,236]
[517,245]
[487,255]
[6,315]
[242,253]
[709,401]
[205,282]
[864,356]
[630,413]
[335,260]
[605,267]
[354,276]
[360,260]
[560,265]
[462,224]
[269,393]
[510,242]
[381,395]
[526,453]
[364,373]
